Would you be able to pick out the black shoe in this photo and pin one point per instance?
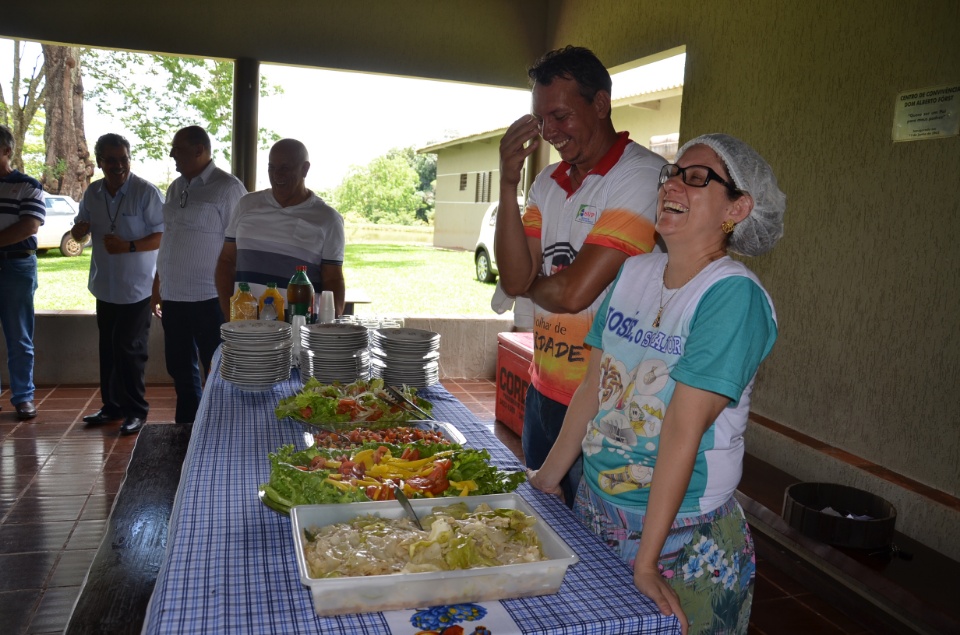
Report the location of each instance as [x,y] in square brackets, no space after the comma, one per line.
[26,410]
[132,425]
[100,417]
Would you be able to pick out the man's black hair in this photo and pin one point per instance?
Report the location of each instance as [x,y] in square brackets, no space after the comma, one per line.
[576,63]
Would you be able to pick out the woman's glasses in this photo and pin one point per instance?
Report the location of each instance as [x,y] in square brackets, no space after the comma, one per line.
[694,176]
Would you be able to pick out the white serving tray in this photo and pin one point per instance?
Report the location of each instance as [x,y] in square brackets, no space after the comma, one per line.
[367,594]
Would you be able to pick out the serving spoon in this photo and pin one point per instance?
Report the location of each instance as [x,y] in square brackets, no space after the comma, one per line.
[407,507]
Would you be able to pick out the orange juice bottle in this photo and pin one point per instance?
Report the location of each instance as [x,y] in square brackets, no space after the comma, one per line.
[273,292]
[243,306]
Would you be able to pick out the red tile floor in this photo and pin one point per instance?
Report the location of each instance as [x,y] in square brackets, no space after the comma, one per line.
[58,480]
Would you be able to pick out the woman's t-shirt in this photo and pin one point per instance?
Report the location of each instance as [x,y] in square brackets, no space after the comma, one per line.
[712,335]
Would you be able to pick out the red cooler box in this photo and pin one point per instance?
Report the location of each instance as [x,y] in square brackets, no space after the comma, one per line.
[514,356]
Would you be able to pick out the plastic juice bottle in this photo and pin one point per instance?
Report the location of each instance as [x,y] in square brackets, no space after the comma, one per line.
[273,292]
[300,295]
[243,306]
[268,312]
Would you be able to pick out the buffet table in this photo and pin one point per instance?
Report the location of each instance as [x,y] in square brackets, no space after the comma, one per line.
[230,565]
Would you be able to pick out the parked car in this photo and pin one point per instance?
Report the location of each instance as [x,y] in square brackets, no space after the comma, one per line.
[55,231]
[484,259]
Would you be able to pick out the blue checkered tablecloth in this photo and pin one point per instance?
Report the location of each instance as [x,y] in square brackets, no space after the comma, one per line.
[230,565]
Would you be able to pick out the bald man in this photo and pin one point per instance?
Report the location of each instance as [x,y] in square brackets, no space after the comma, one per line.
[275,230]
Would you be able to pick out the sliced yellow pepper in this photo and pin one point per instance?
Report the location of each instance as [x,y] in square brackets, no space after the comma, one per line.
[465,487]
[340,484]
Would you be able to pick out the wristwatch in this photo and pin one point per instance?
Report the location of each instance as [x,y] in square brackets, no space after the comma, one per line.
[133,246]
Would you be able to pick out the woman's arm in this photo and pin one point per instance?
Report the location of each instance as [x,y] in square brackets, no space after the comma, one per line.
[583,408]
[690,413]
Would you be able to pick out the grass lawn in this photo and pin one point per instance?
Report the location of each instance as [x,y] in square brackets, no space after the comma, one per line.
[402,280]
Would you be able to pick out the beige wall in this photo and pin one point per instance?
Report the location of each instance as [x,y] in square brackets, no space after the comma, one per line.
[643,123]
[866,279]
[457,218]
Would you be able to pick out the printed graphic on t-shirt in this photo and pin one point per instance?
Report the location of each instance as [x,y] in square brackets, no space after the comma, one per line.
[587,214]
[631,423]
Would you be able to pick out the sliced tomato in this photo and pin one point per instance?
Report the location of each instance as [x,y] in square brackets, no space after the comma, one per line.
[306,412]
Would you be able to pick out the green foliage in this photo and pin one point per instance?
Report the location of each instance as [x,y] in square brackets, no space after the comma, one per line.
[401,280]
[397,187]
[425,166]
[34,149]
[383,191]
[185,91]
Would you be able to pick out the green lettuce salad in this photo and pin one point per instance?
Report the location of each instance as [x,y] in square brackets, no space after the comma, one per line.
[335,403]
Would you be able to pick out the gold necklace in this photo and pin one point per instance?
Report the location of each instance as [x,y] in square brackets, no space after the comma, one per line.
[663,285]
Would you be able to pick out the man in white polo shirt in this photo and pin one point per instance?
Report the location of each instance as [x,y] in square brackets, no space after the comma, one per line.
[584,217]
[197,212]
[278,229]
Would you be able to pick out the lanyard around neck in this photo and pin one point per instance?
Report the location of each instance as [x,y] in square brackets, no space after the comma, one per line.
[106,200]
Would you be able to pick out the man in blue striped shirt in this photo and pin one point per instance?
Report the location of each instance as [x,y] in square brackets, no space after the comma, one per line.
[197,212]
[22,211]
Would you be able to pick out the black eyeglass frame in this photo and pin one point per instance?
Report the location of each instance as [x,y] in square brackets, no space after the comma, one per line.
[711,176]
[184,195]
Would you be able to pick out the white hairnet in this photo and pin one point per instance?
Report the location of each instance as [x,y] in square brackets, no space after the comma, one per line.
[760,231]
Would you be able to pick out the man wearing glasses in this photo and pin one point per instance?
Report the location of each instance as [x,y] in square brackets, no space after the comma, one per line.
[124,213]
[584,216]
[197,212]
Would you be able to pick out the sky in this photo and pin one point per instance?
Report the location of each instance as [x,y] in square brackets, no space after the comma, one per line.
[350,118]
[343,118]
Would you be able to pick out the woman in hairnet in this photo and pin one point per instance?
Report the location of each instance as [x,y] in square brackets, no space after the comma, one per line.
[661,413]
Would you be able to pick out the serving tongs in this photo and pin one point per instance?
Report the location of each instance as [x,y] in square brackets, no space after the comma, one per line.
[397,398]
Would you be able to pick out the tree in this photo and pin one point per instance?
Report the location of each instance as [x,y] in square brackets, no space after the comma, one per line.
[51,91]
[68,168]
[201,91]
[26,96]
[384,191]
[425,165]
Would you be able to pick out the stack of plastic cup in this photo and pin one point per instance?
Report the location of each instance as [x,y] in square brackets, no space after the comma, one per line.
[326,312]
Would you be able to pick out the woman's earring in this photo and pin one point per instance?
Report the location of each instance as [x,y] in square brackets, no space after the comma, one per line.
[727,226]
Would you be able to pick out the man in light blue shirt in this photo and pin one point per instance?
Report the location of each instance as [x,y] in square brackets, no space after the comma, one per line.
[125,214]
[196,214]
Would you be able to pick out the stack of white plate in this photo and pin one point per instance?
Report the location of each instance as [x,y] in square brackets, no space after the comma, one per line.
[255,354]
[405,356]
[334,352]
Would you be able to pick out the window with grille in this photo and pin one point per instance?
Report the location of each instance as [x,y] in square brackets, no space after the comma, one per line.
[482,192]
[463,182]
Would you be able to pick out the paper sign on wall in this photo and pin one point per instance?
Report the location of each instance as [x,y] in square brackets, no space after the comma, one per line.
[927,113]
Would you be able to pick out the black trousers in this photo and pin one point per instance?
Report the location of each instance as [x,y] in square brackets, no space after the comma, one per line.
[191,334]
[124,331]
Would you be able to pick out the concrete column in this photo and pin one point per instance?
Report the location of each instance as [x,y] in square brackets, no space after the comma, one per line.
[246,95]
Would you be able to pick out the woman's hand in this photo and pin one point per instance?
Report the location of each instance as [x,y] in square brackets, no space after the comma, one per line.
[651,584]
[541,483]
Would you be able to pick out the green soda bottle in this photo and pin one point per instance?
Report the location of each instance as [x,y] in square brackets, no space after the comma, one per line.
[300,295]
